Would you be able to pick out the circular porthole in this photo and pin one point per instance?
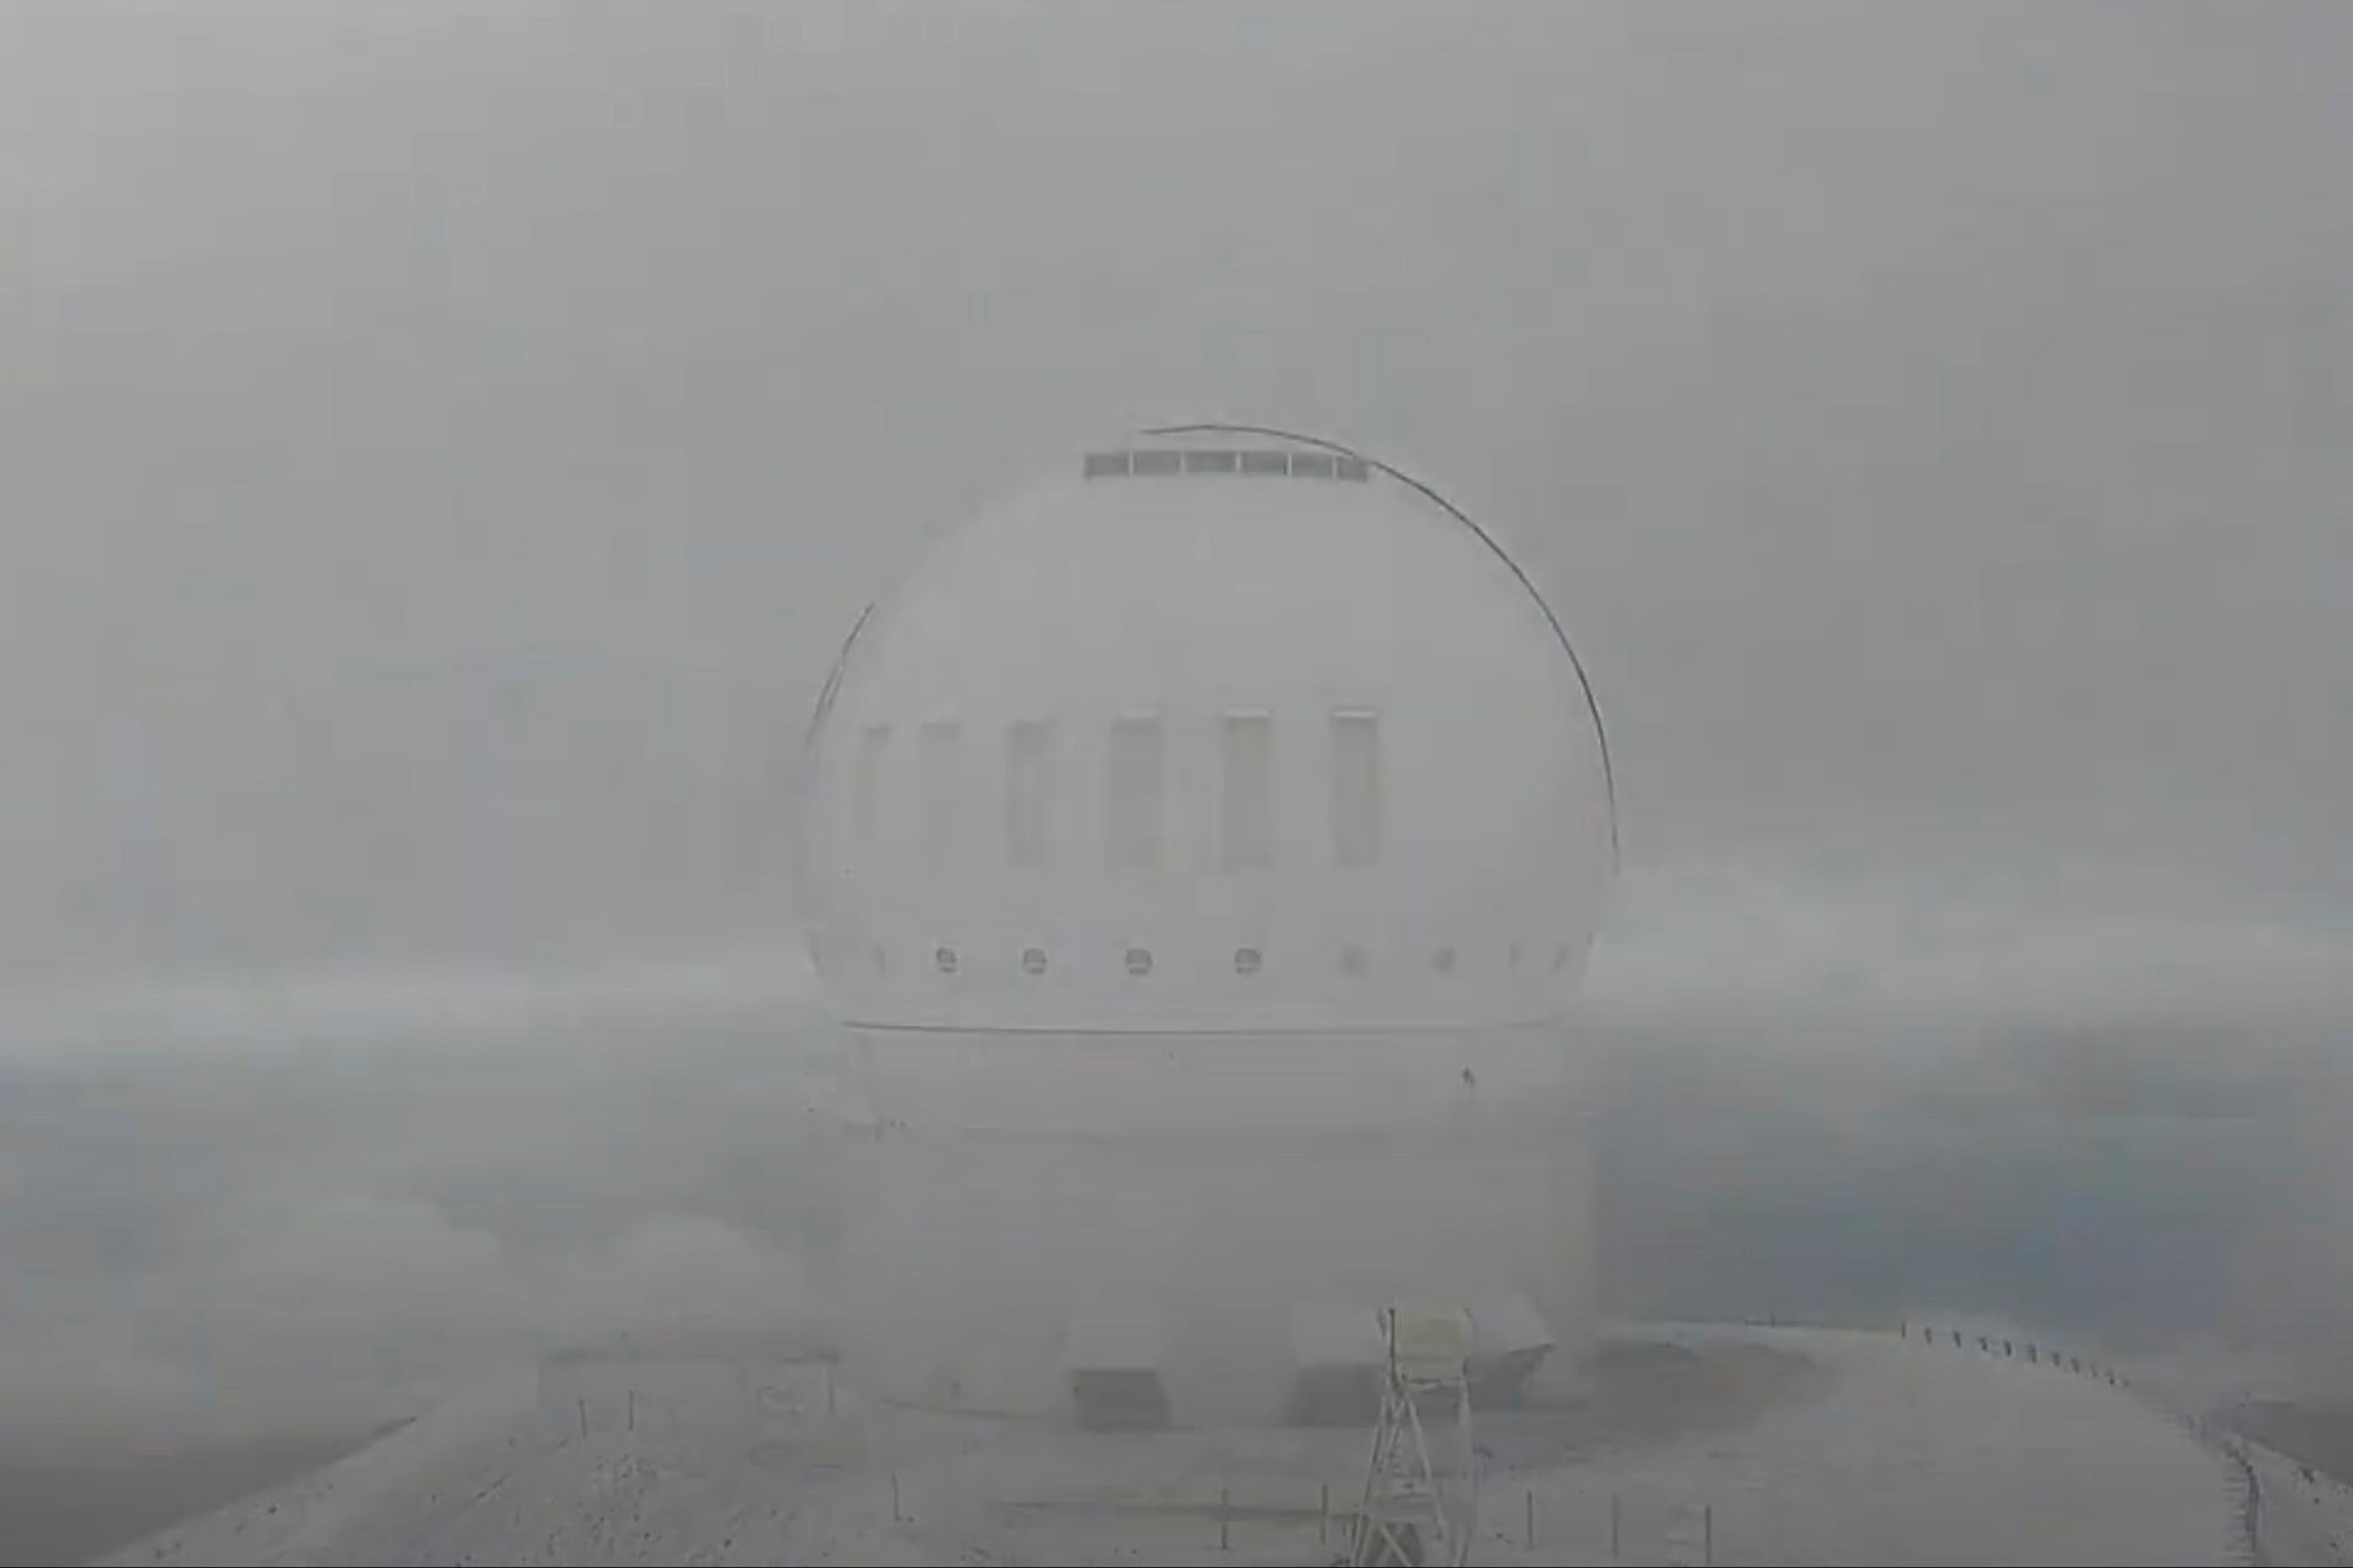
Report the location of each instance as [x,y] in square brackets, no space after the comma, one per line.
[1033,961]
[945,959]
[1248,961]
[1356,961]
[1442,961]
[1139,962]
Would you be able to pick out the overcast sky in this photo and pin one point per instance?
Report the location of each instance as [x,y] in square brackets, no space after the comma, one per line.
[440,444]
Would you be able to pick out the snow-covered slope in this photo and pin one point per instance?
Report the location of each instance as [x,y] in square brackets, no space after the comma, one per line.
[683,1459]
[1884,1450]
[2303,1518]
[1906,1452]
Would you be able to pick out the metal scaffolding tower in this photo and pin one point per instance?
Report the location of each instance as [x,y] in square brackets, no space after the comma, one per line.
[1420,1502]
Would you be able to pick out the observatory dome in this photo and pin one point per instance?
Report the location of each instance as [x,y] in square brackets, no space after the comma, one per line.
[1218,729]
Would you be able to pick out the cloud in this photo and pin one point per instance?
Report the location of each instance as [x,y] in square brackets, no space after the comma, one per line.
[1758,939]
[441,494]
[251,1012]
[236,1242]
[334,1310]
[690,1274]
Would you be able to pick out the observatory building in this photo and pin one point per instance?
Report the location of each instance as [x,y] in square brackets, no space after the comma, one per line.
[1198,848]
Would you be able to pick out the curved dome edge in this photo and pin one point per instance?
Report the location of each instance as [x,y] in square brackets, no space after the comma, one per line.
[1432,494]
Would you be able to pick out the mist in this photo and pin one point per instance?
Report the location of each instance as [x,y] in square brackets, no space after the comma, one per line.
[442,446]
[1929,424]
[319,1211]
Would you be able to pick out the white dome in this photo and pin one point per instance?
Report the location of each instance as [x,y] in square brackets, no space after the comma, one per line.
[1219,729]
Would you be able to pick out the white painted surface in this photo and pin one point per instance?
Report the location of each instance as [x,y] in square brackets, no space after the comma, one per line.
[1137,615]
[1201,918]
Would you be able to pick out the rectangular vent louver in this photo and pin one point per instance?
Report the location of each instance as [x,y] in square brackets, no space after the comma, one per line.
[1261,464]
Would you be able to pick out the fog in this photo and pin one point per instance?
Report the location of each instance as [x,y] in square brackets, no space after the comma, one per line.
[1929,424]
[441,446]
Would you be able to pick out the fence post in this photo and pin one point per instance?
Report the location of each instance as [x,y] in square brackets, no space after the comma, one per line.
[1324,1513]
[1225,1517]
[896,1517]
[1707,1533]
[1613,1524]
[583,1417]
[633,1410]
[1532,1518]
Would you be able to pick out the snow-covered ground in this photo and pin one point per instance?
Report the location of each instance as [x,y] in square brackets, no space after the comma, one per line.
[2303,1517]
[1878,1449]
[1914,1452]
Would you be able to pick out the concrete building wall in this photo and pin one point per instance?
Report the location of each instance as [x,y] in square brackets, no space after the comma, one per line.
[972,1237]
